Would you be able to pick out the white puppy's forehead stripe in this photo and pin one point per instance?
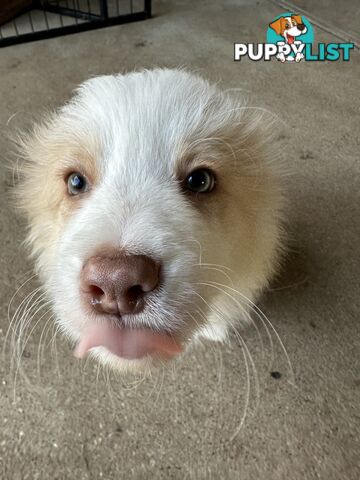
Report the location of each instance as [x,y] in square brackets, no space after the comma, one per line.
[289,21]
[142,122]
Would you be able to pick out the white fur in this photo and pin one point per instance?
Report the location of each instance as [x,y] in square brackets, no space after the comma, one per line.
[143,122]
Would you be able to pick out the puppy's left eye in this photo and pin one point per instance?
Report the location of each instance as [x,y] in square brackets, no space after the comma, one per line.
[200,181]
[77,183]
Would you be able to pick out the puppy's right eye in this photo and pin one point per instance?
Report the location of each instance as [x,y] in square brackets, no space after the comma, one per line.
[201,180]
[77,183]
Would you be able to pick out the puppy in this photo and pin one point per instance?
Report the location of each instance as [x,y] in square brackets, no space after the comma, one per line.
[289,27]
[154,214]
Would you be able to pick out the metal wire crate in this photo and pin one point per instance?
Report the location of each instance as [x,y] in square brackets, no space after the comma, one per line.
[39,19]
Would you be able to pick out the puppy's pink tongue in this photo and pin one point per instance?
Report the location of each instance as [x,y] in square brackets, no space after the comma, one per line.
[127,343]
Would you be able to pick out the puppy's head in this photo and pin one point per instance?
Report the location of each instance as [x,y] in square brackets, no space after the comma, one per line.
[150,202]
[289,27]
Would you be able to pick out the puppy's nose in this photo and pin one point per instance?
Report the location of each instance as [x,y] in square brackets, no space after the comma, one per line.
[119,284]
[301,26]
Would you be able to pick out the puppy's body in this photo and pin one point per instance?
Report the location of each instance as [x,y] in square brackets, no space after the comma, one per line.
[137,139]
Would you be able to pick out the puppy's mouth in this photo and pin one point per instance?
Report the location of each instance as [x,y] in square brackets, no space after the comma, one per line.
[128,343]
[290,38]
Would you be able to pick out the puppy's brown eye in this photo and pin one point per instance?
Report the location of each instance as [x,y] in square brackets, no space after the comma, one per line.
[77,183]
[200,181]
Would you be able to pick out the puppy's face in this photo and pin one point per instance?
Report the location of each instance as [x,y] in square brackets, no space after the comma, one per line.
[149,202]
[289,27]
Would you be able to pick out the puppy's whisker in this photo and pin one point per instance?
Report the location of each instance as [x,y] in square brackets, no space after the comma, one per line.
[23,321]
[247,316]
[246,354]
[247,397]
[215,268]
[20,323]
[221,267]
[266,319]
[13,320]
[199,339]
[41,347]
[22,341]
[212,344]
[219,358]
[197,243]
[17,366]
[22,344]
[250,319]
[53,344]
[209,140]
[253,365]
[263,323]
[17,292]
[245,108]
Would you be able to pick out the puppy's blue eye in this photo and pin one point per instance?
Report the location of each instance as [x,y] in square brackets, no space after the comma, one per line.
[200,181]
[76,183]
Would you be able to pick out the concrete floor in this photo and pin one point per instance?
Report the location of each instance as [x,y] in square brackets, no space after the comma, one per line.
[64,421]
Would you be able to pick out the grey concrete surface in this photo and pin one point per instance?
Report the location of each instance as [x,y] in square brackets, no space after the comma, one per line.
[63,419]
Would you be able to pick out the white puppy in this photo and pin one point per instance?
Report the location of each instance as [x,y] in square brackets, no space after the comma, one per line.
[154,214]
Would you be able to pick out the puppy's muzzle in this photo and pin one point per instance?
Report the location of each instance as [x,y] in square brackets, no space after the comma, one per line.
[301,27]
[118,284]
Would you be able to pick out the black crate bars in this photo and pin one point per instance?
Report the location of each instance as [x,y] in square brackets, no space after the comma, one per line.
[29,20]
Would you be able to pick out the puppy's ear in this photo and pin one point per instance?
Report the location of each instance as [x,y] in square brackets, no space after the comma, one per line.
[277,25]
[297,19]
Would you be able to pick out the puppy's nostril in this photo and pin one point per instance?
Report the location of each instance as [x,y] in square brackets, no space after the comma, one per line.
[136,290]
[96,293]
[134,293]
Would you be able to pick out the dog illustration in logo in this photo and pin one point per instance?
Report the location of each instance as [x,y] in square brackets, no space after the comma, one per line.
[289,27]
